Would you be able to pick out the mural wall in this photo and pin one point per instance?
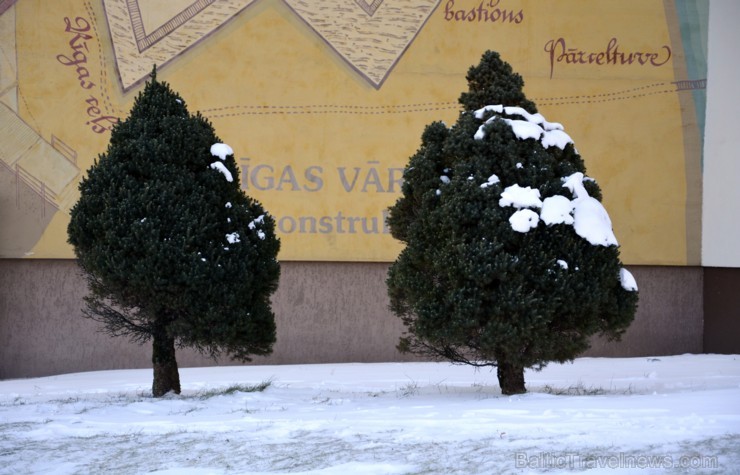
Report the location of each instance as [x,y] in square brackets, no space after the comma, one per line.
[323,102]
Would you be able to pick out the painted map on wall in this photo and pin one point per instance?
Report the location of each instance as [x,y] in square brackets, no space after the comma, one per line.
[324,101]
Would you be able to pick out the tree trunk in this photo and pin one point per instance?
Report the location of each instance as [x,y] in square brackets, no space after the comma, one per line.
[166,376]
[510,378]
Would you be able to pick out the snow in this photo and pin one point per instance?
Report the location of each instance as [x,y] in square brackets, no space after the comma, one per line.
[480,113]
[253,225]
[258,220]
[520,197]
[524,220]
[228,204]
[444,179]
[232,238]
[555,138]
[557,210]
[221,150]
[590,219]
[224,171]
[492,180]
[524,129]
[647,415]
[533,126]
[627,280]
[587,215]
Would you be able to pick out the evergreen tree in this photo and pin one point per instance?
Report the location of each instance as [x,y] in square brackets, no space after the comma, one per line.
[510,260]
[172,249]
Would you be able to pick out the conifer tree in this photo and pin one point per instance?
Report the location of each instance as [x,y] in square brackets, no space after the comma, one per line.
[510,260]
[173,250]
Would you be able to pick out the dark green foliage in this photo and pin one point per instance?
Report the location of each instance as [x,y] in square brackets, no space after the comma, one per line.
[493,82]
[468,287]
[150,232]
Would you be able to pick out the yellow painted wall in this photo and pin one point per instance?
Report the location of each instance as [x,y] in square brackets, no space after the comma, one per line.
[324,104]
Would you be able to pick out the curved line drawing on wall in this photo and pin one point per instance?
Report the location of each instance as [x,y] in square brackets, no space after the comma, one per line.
[37,180]
[37,177]
[369,7]
[370,36]
[145,40]
[350,109]
[145,32]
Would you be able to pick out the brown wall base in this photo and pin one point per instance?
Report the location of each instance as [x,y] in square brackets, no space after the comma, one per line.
[669,318]
[721,310]
[326,312]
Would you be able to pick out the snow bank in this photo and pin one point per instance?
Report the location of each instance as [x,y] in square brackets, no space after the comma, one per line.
[380,418]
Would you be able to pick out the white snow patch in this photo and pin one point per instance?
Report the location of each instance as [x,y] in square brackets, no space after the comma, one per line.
[258,220]
[420,417]
[261,234]
[233,238]
[525,130]
[480,113]
[519,197]
[627,280]
[224,171]
[590,219]
[480,134]
[555,138]
[562,264]
[228,204]
[533,126]
[492,180]
[444,179]
[519,165]
[221,150]
[557,210]
[524,220]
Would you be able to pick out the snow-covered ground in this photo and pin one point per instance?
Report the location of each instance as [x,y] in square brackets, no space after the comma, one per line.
[677,414]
